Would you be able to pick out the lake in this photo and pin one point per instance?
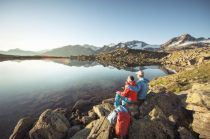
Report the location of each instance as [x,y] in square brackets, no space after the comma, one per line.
[30,86]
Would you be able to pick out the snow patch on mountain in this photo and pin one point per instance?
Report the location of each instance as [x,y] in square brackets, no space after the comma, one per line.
[137,45]
[187,43]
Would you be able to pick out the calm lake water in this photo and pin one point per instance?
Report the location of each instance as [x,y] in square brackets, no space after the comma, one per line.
[28,87]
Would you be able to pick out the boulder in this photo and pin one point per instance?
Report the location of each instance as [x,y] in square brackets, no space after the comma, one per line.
[147,129]
[73,130]
[22,128]
[75,118]
[62,111]
[82,134]
[50,125]
[198,100]
[86,120]
[101,129]
[167,102]
[109,100]
[81,104]
[157,113]
[103,109]
[201,124]
[75,121]
[185,134]
[166,106]
[92,114]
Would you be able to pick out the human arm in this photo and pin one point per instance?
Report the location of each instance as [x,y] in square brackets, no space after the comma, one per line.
[135,88]
[125,93]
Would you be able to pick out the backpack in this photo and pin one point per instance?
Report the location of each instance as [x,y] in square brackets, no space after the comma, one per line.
[122,124]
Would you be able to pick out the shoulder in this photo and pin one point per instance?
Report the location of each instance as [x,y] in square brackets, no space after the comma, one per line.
[146,80]
[142,80]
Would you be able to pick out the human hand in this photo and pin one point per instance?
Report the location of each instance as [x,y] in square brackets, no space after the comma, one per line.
[126,86]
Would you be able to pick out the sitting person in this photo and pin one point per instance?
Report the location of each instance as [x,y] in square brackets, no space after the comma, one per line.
[141,88]
[128,95]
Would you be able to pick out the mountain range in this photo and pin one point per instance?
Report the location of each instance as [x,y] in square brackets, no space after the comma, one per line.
[184,41]
[135,44]
[19,52]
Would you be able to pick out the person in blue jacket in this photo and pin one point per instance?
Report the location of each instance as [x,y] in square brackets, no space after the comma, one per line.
[142,86]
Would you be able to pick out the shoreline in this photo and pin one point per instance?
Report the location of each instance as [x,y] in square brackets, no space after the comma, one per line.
[163,108]
[170,105]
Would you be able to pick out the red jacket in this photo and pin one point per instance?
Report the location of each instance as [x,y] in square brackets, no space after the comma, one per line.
[130,94]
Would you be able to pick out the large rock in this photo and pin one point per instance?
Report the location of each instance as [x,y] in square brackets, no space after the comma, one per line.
[82,134]
[109,100]
[185,134]
[201,124]
[87,119]
[147,129]
[22,128]
[62,111]
[191,62]
[162,113]
[101,129]
[92,114]
[82,104]
[157,113]
[167,102]
[103,109]
[51,125]
[73,130]
[198,100]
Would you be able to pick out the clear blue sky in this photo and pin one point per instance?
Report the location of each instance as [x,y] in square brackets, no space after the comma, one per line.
[46,24]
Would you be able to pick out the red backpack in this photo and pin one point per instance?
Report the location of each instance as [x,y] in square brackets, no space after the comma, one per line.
[122,124]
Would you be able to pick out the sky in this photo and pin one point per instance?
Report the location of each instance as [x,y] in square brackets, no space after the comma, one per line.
[46,24]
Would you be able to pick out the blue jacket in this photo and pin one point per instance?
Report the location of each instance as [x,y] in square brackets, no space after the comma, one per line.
[142,88]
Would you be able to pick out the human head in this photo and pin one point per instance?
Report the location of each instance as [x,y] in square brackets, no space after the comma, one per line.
[130,78]
[140,74]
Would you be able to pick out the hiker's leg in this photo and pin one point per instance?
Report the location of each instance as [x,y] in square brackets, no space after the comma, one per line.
[134,110]
[141,101]
[118,99]
[124,100]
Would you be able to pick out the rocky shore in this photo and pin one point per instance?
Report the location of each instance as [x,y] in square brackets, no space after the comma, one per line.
[177,106]
[123,57]
[186,59]
[14,57]
[168,112]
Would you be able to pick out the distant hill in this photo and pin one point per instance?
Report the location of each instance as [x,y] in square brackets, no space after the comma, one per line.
[19,52]
[5,56]
[185,41]
[72,50]
[135,45]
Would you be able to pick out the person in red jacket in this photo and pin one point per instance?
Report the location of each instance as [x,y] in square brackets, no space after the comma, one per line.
[128,95]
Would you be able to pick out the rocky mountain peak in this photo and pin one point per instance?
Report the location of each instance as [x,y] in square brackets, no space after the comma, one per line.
[186,37]
[184,41]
